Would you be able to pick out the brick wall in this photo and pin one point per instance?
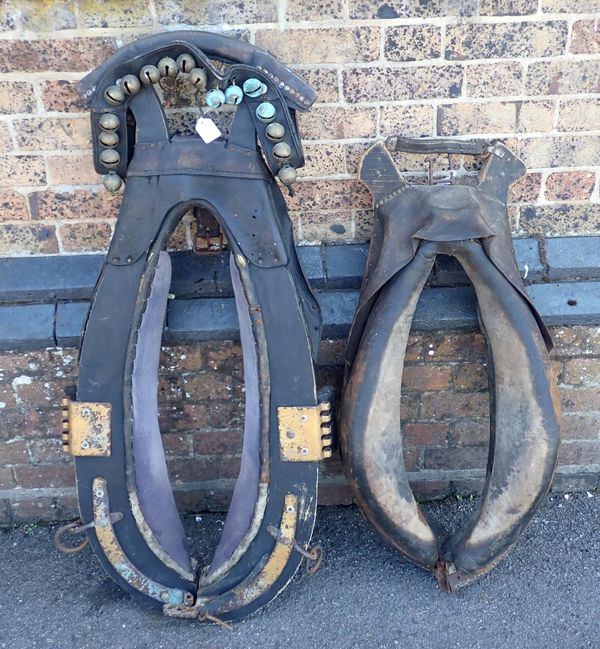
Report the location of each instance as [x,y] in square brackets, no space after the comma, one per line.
[526,71]
[445,408]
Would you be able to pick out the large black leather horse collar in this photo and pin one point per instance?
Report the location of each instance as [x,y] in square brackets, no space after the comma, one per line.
[413,224]
[126,502]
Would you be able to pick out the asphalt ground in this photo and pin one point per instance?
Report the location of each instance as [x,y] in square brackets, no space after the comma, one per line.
[545,594]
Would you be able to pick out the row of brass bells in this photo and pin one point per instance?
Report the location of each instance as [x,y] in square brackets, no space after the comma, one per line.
[109,123]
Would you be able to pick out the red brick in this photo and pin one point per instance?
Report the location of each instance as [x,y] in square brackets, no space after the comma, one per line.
[452,405]
[323,81]
[505,40]
[494,79]
[170,389]
[13,206]
[412,43]
[582,371]
[43,133]
[22,170]
[77,204]
[576,341]
[420,434]
[13,452]
[580,452]
[581,427]
[527,189]
[226,414]
[315,10]
[326,227]
[46,451]
[426,377]
[41,55]
[45,475]
[31,423]
[207,386]
[27,239]
[321,45]
[100,13]
[183,417]
[60,95]
[330,195]
[338,122]
[181,358]
[454,347]
[224,356]
[562,77]
[470,377]
[16,97]
[585,37]
[176,444]
[471,432]
[7,480]
[7,397]
[223,442]
[75,169]
[580,399]
[27,510]
[416,119]
[430,489]
[472,457]
[48,16]
[334,494]
[323,160]
[85,237]
[570,185]
[190,12]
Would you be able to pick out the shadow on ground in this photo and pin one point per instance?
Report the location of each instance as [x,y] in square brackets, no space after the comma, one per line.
[546,594]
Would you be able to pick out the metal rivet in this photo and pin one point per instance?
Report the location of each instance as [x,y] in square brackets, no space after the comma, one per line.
[85,444]
[302,418]
[214,98]
[85,412]
[131,84]
[109,122]
[275,132]
[282,151]
[149,74]
[287,175]
[110,158]
[233,95]
[167,67]
[108,138]
[265,111]
[304,451]
[185,62]
[198,77]
[99,493]
[112,182]
[114,95]
[290,434]
[290,509]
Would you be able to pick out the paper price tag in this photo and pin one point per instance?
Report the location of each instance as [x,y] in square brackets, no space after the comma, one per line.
[207,129]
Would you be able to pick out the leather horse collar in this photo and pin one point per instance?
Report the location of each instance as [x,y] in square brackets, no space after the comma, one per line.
[414,223]
[125,498]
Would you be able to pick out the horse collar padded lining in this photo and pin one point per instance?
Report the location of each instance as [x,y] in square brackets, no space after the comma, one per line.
[125,498]
[414,223]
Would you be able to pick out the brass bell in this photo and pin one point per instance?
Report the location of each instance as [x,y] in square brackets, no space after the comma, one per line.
[214,98]
[282,151]
[109,122]
[254,87]
[112,182]
[167,67]
[186,62]
[287,175]
[110,158]
[275,132]
[114,95]
[233,95]
[108,138]
[198,77]
[149,74]
[265,111]
[131,84]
